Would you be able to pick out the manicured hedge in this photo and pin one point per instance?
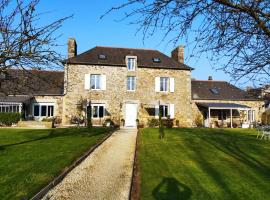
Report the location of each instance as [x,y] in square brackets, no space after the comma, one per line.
[8,119]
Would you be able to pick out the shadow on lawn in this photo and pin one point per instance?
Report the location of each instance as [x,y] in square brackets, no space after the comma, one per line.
[52,134]
[171,189]
[232,145]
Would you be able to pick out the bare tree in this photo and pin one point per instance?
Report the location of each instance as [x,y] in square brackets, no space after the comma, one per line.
[24,43]
[237,31]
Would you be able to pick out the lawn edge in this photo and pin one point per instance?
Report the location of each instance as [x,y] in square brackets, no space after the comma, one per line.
[134,193]
[68,169]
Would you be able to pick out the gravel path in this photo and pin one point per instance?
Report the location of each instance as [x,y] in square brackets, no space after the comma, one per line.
[104,174]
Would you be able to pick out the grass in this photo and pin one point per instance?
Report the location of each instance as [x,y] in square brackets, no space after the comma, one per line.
[30,159]
[204,164]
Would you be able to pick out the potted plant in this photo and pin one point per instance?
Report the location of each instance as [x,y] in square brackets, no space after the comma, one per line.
[123,122]
[137,121]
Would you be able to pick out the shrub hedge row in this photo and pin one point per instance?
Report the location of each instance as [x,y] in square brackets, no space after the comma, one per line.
[8,119]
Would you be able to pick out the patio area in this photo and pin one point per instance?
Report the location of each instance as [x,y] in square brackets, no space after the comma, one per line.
[227,115]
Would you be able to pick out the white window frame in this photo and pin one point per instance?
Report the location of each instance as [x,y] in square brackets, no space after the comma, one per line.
[47,107]
[164,109]
[129,83]
[134,62]
[98,105]
[96,81]
[164,84]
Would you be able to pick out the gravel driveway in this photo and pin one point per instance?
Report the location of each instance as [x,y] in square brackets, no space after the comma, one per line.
[104,174]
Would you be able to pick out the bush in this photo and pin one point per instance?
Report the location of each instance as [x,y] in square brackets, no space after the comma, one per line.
[152,122]
[47,120]
[8,119]
[108,123]
[168,122]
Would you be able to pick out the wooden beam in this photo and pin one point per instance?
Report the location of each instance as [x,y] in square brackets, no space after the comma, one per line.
[209,117]
[231,119]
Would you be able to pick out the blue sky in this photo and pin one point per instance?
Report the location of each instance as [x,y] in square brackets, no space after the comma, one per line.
[89,31]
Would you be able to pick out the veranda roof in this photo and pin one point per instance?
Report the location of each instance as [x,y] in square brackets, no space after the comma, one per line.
[14,99]
[223,105]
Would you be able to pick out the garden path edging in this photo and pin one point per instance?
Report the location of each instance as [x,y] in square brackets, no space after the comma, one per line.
[68,169]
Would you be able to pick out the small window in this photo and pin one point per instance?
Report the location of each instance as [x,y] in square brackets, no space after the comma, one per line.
[97,111]
[102,57]
[163,109]
[214,91]
[164,84]
[131,63]
[36,110]
[156,60]
[95,81]
[131,83]
[44,111]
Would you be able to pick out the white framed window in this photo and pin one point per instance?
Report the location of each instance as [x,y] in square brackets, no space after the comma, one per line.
[98,111]
[43,109]
[164,84]
[131,62]
[95,81]
[131,83]
[164,111]
[9,108]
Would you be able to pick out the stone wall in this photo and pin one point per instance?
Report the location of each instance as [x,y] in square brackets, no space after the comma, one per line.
[115,96]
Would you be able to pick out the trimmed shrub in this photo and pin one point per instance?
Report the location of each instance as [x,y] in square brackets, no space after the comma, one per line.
[152,122]
[7,119]
[168,122]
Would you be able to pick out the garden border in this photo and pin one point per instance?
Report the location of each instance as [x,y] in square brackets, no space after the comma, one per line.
[68,169]
[134,193]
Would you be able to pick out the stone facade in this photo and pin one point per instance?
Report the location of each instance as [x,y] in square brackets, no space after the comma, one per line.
[116,95]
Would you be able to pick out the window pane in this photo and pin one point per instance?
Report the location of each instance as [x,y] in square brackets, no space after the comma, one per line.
[43,111]
[164,83]
[131,64]
[95,111]
[50,111]
[101,111]
[36,110]
[98,81]
[92,81]
[130,83]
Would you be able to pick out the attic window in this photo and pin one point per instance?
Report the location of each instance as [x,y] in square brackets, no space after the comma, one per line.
[214,91]
[102,57]
[156,60]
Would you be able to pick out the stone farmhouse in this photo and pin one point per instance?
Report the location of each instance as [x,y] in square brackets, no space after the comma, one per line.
[129,84]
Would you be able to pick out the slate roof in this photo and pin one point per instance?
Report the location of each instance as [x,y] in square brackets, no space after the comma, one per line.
[222,105]
[14,99]
[116,57]
[32,82]
[201,90]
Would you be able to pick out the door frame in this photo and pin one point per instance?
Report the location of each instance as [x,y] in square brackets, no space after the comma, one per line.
[136,105]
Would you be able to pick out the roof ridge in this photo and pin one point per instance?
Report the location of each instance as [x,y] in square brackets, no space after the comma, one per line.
[126,48]
[210,81]
[38,70]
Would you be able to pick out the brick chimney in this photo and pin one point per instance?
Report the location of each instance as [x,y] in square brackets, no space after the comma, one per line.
[178,54]
[72,48]
[210,78]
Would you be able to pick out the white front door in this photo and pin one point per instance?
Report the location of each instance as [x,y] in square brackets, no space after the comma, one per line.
[131,114]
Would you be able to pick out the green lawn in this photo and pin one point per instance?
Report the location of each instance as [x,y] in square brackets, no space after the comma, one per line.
[204,164]
[30,159]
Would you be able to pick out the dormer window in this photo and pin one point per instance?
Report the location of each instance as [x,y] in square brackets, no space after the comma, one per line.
[214,91]
[131,63]
[156,60]
[102,57]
